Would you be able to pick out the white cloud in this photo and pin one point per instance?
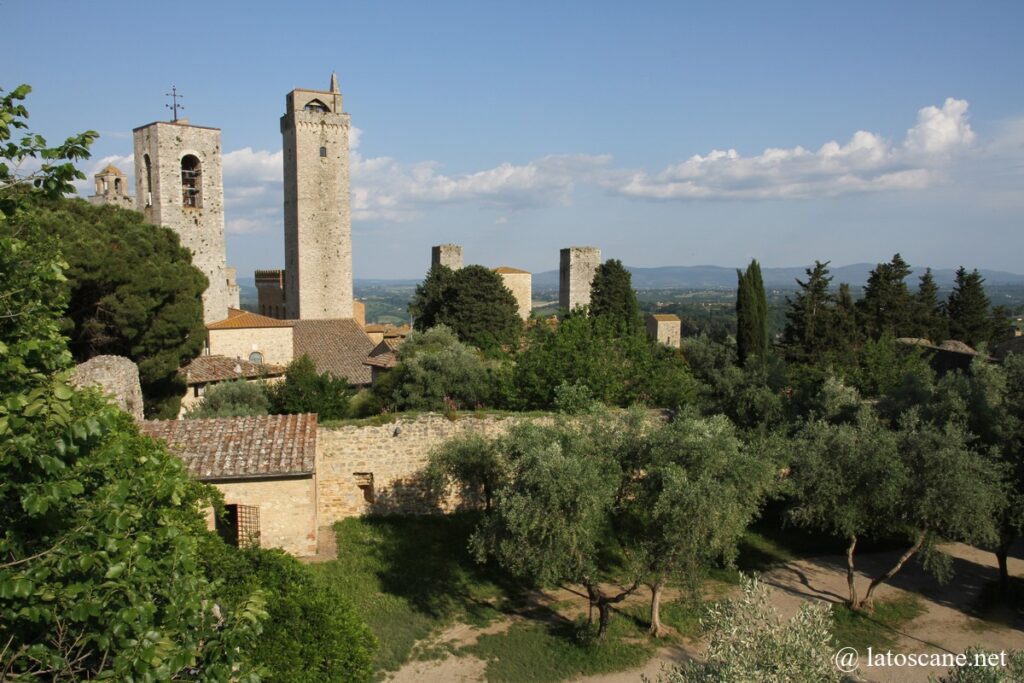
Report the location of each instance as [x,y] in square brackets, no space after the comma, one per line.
[866,163]
[124,163]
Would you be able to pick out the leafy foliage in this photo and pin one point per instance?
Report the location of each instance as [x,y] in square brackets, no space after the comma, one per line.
[612,295]
[472,301]
[751,314]
[133,292]
[234,398]
[312,635]
[304,390]
[750,642]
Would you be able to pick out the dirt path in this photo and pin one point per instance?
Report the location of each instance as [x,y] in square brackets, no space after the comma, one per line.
[945,626]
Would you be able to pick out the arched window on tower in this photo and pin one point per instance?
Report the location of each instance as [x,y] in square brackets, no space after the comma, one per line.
[323,151]
[191,182]
[117,186]
[317,106]
[147,190]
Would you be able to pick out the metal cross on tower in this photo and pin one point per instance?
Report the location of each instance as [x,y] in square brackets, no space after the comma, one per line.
[174,106]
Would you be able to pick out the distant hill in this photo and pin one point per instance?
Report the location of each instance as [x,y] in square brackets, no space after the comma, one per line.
[718,277]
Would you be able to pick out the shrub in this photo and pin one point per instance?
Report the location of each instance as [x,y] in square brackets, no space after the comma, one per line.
[304,390]
[231,399]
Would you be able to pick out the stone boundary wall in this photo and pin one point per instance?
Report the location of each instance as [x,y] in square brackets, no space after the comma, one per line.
[390,456]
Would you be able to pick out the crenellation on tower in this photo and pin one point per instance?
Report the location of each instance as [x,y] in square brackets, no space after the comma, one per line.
[317,213]
[179,184]
[576,271]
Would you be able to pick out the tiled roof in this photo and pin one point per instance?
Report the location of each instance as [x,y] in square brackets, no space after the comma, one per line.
[220,368]
[384,360]
[111,169]
[241,319]
[510,270]
[240,447]
[336,346]
[387,345]
[665,317]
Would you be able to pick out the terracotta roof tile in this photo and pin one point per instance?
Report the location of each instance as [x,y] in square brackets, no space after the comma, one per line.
[220,368]
[510,270]
[336,346]
[240,447]
[384,360]
[665,317]
[241,319]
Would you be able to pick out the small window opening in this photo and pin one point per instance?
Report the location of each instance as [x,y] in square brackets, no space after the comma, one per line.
[148,189]
[256,357]
[323,151]
[317,106]
[117,186]
[191,181]
[364,480]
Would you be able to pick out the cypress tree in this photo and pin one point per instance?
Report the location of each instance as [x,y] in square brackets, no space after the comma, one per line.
[751,314]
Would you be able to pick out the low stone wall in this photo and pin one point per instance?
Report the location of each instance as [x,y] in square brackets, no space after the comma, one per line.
[373,469]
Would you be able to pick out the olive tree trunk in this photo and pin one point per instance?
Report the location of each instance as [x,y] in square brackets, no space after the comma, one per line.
[866,603]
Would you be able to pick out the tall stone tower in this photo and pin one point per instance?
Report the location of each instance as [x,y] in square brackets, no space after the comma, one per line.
[575,275]
[317,218]
[179,184]
[446,255]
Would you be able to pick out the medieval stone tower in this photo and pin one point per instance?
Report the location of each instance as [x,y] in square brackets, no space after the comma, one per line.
[112,188]
[446,255]
[575,275]
[179,184]
[317,218]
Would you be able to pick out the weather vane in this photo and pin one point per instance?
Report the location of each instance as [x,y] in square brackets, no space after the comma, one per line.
[174,106]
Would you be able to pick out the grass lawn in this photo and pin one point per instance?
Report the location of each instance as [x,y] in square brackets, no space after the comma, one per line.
[409,577]
[878,629]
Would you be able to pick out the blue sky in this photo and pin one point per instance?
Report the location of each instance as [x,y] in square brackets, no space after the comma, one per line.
[665,133]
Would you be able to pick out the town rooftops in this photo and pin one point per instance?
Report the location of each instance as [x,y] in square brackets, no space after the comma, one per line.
[239,319]
[206,369]
[263,446]
[337,346]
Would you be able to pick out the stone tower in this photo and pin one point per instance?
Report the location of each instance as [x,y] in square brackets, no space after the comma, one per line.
[575,275]
[112,188]
[446,255]
[317,218]
[178,184]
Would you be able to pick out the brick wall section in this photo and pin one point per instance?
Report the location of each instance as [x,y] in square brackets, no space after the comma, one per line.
[393,459]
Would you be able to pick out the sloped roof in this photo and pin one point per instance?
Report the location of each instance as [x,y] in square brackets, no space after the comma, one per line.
[240,447]
[665,317]
[337,346]
[509,270]
[205,369]
[387,345]
[114,170]
[238,319]
[384,360]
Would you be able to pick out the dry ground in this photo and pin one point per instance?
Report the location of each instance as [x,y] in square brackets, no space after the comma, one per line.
[947,624]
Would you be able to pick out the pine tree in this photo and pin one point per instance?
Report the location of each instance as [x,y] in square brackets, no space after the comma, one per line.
[751,314]
[968,309]
[929,318]
[810,315]
[886,305]
[844,332]
[612,295]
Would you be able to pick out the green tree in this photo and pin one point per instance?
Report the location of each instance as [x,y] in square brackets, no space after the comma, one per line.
[99,526]
[807,337]
[968,309]
[471,462]
[313,634]
[232,399]
[472,301]
[436,371]
[929,318]
[304,390]
[886,307]
[922,482]
[750,642]
[751,314]
[133,292]
[612,295]
[691,494]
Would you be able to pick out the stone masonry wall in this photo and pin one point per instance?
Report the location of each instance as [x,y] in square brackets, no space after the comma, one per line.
[449,255]
[577,266]
[392,454]
[117,377]
[275,343]
[288,510]
[521,286]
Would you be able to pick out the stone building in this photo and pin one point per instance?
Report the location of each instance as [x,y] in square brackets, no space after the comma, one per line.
[179,184]
[520,283]
[206,371]
[117,377]
[576,270]
[112,188]
[449,255]
[665,328]
[264,466]
[270,293]
[317,218]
